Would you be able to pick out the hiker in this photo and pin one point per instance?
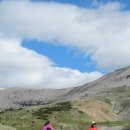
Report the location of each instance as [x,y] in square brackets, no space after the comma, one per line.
[93,126]
[47,126]
[61,127]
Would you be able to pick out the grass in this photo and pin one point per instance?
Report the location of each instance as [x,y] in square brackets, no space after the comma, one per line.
[20,119]
[123,91]
[63,114]
[121,95]
[2,127]
[124,123]
[59,114]
[44,112]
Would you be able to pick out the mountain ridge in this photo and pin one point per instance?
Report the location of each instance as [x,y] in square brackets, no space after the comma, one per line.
[107,88]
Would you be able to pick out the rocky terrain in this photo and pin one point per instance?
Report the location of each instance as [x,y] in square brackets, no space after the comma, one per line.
[112,88]
[115,79]
[16,97]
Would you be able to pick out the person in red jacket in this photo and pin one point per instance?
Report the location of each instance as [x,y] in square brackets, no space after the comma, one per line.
[93,126]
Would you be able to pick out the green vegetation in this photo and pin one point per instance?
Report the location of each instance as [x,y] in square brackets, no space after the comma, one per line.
[123,91]
[122,96]
[115,123]
[126,103]
[43,113]
[124,123]
[2,127]
[33,118]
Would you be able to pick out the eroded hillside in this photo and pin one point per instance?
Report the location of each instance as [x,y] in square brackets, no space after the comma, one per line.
[96,109]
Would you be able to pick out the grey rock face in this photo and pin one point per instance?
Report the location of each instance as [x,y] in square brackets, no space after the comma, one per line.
[15,97]
[115,79]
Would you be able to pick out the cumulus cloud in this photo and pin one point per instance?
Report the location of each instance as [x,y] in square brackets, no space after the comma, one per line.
[20,67]
[101,32]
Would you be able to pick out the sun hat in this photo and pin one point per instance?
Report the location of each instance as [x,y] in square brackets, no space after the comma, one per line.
[93,122]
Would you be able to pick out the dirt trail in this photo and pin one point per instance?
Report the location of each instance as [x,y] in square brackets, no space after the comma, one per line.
[111,128]
[96,109]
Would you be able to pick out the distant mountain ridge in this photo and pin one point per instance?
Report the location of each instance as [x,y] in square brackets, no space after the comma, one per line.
[113,87]
[17,97]
[118,78]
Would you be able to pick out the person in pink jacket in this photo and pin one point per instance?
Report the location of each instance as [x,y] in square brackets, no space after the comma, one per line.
[47,126]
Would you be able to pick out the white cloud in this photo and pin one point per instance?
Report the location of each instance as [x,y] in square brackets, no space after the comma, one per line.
[102,32]
[1,88]
[20,67]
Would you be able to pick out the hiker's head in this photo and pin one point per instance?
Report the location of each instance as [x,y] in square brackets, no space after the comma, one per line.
[93,124]
[48,122]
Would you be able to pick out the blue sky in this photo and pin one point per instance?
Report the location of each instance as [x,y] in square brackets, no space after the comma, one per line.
[85,3]
[62,43]
[88,3]
[66,56]
[62,56]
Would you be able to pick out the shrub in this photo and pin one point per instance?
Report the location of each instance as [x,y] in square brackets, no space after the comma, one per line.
[43,112]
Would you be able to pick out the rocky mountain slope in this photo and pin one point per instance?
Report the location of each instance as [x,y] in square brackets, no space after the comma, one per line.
[16,97]
[112,88]
[115,79]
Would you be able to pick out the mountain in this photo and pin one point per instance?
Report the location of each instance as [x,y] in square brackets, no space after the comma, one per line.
[112,88]
[109,81]
[17,97]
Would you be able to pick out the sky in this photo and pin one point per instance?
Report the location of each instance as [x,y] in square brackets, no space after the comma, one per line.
[62,43]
